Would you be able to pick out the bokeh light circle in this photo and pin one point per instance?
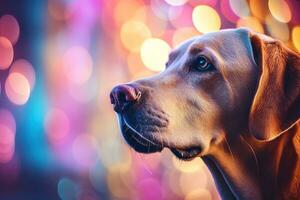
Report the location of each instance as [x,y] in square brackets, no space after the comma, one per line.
[259,9]
[296,37]
[174,12]
[228,12]
[176,2]
[192,181]
[136,67]
[280,10]
[9,28]
[252,23]
[206,19]
[183,19]
[57,125]
[183,34]
[84,93]
[277,29]
[78,65]
[240,7]
[211,3]
[84,151]
[155,54]
[67,189]
[97,176]
[131,7]
[25,68]
[160,9]
[149,189]
[7,53]
[17,88]
[199,194]
[7,135]
[133,34]
[155,24]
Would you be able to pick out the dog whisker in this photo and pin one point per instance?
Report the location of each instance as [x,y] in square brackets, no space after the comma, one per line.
[229,148]
[138,141]
[136,132]
[148,147]
[148,144]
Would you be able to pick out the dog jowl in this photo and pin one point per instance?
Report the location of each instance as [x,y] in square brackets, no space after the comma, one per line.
[185,107]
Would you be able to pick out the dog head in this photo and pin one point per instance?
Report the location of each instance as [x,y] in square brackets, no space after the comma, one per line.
[219,84]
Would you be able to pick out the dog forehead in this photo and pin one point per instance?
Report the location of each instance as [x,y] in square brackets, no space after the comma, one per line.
[224,38]
[220,41]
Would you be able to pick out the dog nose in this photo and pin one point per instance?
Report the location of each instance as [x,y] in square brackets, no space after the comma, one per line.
[122,96]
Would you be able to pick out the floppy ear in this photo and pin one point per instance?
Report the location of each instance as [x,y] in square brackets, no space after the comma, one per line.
[276,105]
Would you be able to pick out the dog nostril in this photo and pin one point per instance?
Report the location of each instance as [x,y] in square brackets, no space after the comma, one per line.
[124,95]
[112,98]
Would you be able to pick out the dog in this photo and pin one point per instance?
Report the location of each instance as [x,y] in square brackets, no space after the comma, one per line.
[230,97]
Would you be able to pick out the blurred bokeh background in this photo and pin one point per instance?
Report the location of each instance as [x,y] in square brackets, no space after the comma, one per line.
[59,137]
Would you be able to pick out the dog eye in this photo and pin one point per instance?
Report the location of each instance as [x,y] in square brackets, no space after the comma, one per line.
[202,64]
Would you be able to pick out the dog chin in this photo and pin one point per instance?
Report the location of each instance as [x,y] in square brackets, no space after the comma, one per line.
[187,153]
[136,140]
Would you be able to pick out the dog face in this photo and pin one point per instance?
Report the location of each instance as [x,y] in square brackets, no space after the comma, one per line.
[205,92]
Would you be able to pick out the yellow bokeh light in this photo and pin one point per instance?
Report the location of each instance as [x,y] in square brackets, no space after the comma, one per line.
[17,88]
[155,53]
[133,34]
[191,181]
[280,10]
[199,194]
[252,23]
[125,10]
[258,9]
[277,29]
[188,167]
[119,181]
[183,34]
[296,37]
[206,19]
[136,67]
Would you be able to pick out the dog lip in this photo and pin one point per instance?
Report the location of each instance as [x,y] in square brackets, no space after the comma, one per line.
[138,142]
[187,153]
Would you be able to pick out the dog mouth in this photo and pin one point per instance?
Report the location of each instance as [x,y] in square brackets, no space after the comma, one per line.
[142,144]
[187,153]
[136,140]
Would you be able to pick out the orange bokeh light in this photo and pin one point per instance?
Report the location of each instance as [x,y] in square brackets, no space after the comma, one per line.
[7,53]
[17,88]
[25,68]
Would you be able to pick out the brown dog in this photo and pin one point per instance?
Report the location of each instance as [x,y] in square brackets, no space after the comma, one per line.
[230,97]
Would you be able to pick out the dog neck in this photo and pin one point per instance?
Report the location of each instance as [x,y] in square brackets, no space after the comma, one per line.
[245,168]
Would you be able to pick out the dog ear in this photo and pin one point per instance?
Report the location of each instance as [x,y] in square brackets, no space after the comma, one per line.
[276,103]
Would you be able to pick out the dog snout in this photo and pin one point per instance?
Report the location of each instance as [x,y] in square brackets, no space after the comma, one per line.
[122,96]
